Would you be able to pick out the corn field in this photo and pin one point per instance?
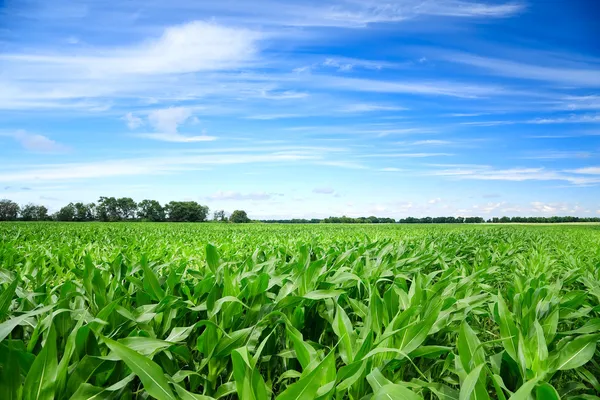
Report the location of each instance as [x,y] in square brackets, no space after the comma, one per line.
[215,311]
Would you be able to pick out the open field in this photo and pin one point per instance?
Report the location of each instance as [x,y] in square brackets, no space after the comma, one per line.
[208,311]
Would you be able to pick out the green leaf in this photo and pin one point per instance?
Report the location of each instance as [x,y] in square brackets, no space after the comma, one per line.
[591,326]
[546,391]
[469,348]
[10,378]
[323,294]
[40,383]
[85,391]
[148,371]
[471,384]
[185,395]
[306,388]
[6,298]
[342,327]
[144,345]
[151,283]
[575,353]
[394,391]
[377,380]
[525,390]
[212,258]
[508,329]
[249,383]
[7,326]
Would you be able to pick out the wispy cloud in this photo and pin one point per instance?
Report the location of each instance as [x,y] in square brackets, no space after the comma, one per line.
[35,142]
[390,169]
[177,137]
[406,155]
[169,119]
[515,175]
[323,190]
[558,155]
[571,119]
[365,107]
[582,76]
[195,46]
[132,121]
[233,195]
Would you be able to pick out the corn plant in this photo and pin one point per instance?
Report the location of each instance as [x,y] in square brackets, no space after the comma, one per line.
[203,311]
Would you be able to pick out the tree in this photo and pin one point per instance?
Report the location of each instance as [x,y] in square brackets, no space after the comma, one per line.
[107,209]
[9,210]
[67,213]
[186,211]
[151,210]
[29,212]
[239,216]
[127,208]
[84,212]
[219,216]
[41,213]
[32,212]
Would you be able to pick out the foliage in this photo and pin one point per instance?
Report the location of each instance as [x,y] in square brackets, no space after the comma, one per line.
[151,210]
[186,211]
[239,217]
[219,216]
[32,212]
[221,311]
[9,210]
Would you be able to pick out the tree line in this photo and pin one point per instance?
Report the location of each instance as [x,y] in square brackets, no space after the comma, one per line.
[111,209]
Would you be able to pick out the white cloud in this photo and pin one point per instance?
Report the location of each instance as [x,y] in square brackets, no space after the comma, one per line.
[267,117]
[405,155]
[344,64]
[584,75]
[232,195]
[177,138]
[390,169]
[160,164]
[558,155]
[571,119]
[487,173]
[544,208]
[192,47]
[435,201]
[169,119]
[587,171]
[323,190]
[364,107]
[415,87]
[37,143]
[132,121]
[431,142]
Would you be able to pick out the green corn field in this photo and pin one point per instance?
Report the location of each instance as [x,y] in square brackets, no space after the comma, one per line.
[220,311]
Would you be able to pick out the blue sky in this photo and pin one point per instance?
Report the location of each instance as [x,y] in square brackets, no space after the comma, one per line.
[304,108]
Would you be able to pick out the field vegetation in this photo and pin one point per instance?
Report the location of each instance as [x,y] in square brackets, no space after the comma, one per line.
[328,311]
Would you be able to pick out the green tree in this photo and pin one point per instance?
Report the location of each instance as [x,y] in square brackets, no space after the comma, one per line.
[41,213]
[239,216]
[84,212]
[29,212]
[9,210]
[67,213]
[186,211]
[151,210]
[219,216]
[127,208]
[107,209]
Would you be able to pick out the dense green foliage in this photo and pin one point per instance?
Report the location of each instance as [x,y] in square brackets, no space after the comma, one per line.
[254,311]
[111,209]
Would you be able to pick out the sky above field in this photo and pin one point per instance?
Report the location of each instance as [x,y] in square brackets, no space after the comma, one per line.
[304,108]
